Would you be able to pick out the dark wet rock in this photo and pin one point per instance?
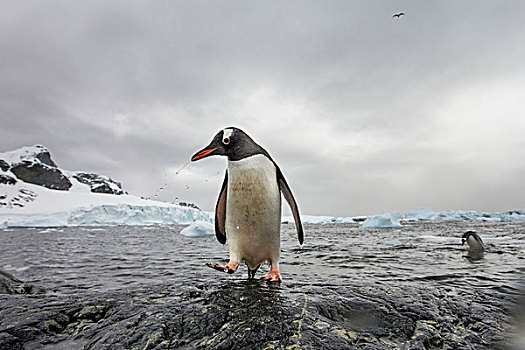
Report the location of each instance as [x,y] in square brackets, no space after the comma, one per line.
[41,174]
[253,315]
[11,285]
[99,183]
[4,165]
[7,180]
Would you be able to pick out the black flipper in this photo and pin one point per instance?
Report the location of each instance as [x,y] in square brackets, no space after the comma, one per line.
[287,193]
[220,212]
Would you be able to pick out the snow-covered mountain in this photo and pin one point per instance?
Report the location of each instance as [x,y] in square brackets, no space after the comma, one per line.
[34,165]
[34,191]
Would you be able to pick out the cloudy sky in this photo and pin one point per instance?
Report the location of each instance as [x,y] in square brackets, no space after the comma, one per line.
[364,113]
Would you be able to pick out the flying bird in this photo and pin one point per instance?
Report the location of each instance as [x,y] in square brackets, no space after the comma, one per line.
[398,15]
[248,210]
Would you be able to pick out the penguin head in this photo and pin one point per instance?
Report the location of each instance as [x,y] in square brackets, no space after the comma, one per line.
[466,235]
[230,142]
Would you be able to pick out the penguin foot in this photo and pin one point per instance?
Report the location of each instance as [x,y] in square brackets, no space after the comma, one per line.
[229,268]
[273,277]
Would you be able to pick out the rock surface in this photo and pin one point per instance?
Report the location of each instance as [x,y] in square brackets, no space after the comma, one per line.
[254,315]
[4,166]
[42,175]
[34,165]
[99,183]
[12,285]
[7,180]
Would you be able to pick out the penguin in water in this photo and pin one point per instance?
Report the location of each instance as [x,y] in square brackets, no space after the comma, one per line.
[248,209]
[476,247]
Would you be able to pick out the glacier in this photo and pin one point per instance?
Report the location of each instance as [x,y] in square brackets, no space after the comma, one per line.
[108,215]
[137,215]
[198,229]
[81,207]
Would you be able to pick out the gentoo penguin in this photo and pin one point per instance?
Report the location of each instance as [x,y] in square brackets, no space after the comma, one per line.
[248,210]
[474,241]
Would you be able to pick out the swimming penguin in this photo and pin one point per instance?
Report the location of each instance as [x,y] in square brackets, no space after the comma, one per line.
[473,240]
[248,209]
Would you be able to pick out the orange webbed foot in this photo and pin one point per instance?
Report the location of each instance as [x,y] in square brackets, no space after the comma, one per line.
[230,268]
[273,277]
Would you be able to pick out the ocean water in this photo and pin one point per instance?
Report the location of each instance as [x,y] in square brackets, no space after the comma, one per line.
[73,260]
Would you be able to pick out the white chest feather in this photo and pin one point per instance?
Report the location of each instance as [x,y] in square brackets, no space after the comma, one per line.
[474,244]
[253,210]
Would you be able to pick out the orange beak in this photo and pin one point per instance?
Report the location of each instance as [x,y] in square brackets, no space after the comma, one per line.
[203,154]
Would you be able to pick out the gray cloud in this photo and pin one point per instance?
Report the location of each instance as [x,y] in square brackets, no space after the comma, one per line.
[364,113]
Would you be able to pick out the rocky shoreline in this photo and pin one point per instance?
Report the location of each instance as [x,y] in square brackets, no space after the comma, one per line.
[243,314]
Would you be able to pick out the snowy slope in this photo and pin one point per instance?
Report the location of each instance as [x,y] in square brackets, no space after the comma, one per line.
[34,192]
[79,206]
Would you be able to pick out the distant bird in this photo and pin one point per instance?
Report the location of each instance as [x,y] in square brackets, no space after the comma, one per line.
[398,15]
[248,210]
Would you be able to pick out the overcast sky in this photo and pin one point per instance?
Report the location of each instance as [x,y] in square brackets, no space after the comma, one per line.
[364,113]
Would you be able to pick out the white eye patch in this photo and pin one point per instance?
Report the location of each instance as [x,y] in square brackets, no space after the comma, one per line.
[226,134]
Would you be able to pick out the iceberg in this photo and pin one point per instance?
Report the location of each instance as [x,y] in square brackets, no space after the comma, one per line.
[514,216]
[198,229]
[428,214]
[420,214]
[344,220]
[387,220]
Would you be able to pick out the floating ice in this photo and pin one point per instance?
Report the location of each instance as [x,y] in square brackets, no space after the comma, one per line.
[387,220]
[440,239]
[3,224]
[198,229]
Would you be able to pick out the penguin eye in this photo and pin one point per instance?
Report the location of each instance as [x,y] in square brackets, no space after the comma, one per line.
[226,140]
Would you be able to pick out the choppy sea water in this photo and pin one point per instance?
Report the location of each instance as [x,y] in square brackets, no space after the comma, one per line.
[75,259]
